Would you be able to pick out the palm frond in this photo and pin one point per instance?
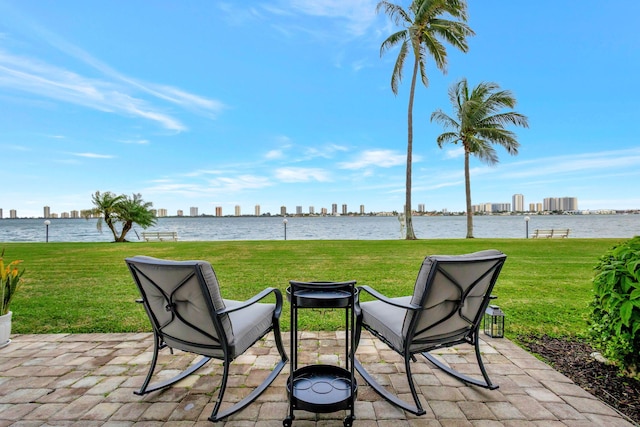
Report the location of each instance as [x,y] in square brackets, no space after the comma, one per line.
[453,32]
[447,137]
[393,40]
[398,15]
[482,150]
[501,99]
[422,65]
[396,77]
[507,118]
[502,137]
[447,122]
[436,50]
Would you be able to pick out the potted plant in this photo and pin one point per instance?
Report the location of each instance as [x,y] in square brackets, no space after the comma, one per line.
[9,281]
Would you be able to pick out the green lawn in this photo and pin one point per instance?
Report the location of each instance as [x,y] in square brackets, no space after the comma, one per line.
[544,288]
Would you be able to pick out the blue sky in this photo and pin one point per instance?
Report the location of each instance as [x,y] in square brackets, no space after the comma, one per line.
[288,102]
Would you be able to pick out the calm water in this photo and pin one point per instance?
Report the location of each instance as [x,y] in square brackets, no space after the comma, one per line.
[325,228]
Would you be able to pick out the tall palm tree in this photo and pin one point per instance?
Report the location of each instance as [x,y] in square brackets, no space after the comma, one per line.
[478,124]
[425,23]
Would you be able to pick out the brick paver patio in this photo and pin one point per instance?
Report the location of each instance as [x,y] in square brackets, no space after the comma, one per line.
[89,379]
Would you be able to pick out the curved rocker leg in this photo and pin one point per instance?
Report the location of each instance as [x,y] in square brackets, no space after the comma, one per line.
[215,417]
[146,388]
[484,384]
[391,398]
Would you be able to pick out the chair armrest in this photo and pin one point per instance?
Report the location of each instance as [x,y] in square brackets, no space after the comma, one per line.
[387,300]
[256,298]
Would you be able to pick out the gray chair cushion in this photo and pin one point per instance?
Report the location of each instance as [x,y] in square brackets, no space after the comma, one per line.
[249,324]
[386,319]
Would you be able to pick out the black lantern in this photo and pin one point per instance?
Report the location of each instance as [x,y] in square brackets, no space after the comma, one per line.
[494,322]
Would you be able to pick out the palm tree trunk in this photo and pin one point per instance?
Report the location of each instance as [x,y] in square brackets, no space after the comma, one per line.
[125,229]
[410,234]
[467,188]
[112,227]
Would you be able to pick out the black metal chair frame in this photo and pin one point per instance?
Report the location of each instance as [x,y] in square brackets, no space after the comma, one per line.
[159,342]
[467,336]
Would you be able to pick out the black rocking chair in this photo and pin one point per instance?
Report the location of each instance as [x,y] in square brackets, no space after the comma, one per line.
[450,296]
[187,312]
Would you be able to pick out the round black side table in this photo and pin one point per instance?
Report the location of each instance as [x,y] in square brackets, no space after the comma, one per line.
[322,388]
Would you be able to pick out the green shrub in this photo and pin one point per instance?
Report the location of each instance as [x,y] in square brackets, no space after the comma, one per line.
[615,316]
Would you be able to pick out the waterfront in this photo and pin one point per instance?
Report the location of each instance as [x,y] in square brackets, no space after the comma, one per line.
[326,228]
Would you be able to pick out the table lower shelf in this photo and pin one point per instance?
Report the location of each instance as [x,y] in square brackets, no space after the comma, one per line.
[322,389]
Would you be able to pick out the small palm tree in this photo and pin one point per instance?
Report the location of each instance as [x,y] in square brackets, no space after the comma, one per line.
[106,205]
[477,125]
[135,210]
[425,24]
[121,209]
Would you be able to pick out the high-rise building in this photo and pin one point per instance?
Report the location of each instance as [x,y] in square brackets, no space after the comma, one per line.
[283,210]
[180,212]
[13,213]
[344,209]
[0,213]
[312,210]
[560,204]
[500,207]
[323,211]
[193,211]
[218,210]
[361,209]
[47,212]
[237,210]
[162,213]
[569,203]
[257,210]
[532,207]
[518,203]
[334,209]
[421,207]
[298,210]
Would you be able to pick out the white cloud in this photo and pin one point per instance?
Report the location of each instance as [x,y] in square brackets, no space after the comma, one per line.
[359,14]
[326,151]
[94,155]
[292,174]
[35,77]
[211,187]
[588,162]
[135,141]
[201,172]
[379,158]
[17,147]
[240,183]
[274,154]
[454,152]
[116,93]
[184,99]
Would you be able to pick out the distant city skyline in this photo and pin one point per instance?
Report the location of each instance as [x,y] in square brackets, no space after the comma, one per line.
[549,204]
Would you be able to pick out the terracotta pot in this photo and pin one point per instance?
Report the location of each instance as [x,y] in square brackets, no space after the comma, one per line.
[5,329]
